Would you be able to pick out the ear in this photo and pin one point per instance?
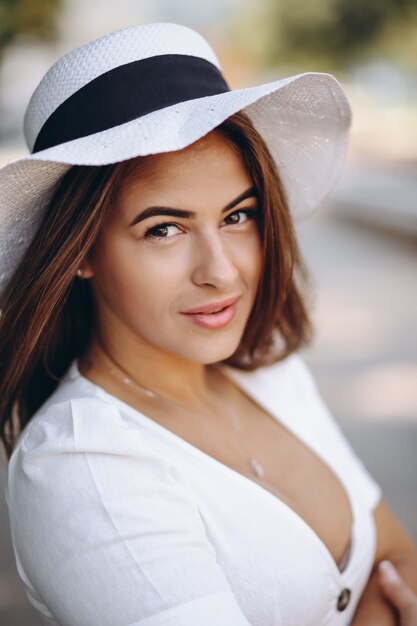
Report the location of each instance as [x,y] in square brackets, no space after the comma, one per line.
[85,270]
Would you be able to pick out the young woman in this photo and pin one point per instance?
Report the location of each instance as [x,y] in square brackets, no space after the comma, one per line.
[171,461]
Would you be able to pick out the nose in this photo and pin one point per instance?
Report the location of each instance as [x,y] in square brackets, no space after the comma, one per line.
[213,263]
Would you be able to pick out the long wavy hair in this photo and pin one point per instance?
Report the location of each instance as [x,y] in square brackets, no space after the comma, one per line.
[48,313]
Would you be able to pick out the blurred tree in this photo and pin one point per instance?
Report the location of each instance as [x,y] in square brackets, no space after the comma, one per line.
[334,33]
[33,18]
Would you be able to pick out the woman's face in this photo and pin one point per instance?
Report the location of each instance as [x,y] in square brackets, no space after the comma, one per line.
[181,242]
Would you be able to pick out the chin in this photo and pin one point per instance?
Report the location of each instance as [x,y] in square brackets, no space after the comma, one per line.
[216,352]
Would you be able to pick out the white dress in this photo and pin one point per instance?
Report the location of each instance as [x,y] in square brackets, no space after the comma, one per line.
[117,521]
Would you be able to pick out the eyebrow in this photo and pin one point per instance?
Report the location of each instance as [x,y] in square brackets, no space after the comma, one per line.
[152,211]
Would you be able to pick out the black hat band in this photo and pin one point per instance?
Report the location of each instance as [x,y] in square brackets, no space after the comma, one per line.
[128,92]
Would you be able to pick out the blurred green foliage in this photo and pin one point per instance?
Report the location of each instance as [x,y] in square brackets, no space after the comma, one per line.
[333,33]
[27,18]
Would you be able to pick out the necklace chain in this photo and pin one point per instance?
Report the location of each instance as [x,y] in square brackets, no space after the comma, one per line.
[119,372]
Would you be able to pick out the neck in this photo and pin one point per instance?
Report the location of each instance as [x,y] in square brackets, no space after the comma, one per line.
[184,382]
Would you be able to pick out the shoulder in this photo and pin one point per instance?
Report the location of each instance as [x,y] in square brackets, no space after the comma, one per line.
[72,442]
[64,425]
[80,455]
[288,376]
[291,369]
[96,511]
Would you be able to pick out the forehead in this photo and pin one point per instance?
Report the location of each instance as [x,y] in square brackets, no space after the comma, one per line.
[209,166]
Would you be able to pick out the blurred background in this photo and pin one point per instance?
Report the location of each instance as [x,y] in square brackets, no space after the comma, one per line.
[361,247]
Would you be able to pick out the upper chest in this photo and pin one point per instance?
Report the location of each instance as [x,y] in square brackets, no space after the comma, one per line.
[241,430]
[236,429]
[281,571]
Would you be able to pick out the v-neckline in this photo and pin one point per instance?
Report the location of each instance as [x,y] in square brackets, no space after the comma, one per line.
[234,377]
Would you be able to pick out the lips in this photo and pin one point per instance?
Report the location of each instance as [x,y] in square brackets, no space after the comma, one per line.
[214,315]
[214,307]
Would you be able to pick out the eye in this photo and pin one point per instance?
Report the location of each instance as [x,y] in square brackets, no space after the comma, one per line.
[240,217]
[162,231]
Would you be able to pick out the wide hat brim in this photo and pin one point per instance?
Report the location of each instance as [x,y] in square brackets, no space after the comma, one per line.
[304,120]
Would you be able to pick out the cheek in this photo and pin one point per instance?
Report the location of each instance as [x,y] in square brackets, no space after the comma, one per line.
[114,267]
[134,280]
[252,259]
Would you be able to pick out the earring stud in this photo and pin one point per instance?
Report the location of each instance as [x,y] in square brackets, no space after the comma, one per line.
[79,272]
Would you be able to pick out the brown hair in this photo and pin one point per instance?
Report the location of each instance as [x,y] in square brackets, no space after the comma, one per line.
[48,313]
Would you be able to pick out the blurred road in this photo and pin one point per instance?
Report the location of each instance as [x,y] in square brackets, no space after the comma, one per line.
[364,359]
[364,356]
[380,195]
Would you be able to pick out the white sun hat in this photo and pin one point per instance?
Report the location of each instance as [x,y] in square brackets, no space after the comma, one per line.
[155,88]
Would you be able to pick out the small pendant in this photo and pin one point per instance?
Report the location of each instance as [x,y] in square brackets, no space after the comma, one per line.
[257,467]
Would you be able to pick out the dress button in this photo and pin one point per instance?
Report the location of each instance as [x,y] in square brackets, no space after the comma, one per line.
[343,599]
